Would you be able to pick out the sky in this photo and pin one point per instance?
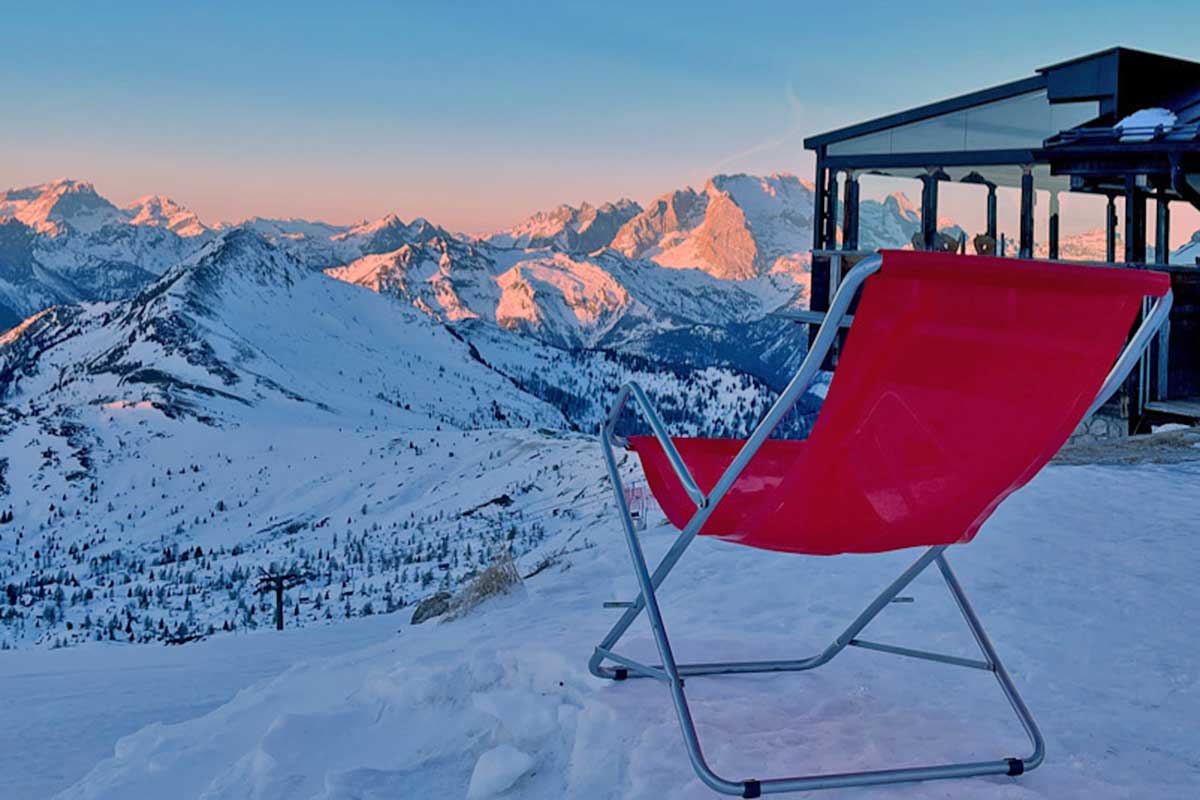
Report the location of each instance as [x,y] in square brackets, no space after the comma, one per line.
[474,115]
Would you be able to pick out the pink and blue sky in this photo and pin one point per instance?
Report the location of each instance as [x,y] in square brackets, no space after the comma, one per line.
[476,114]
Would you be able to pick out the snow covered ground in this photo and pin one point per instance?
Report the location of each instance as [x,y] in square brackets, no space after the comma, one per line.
[1085,579]
[64,709]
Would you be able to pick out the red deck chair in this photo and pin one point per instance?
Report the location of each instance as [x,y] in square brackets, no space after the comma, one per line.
[960,378]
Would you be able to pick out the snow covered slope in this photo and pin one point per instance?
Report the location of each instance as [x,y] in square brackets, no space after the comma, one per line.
[245,325]
[708,397]
[571,300]
[501,704]
[244,409]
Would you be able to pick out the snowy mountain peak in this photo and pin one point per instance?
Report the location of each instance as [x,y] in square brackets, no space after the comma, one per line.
[900,204]
[58,206]
[573,230]
[384,235]
[386,222]
[738,227]
[242,325]
[161,211]
[291,227]
[243,254]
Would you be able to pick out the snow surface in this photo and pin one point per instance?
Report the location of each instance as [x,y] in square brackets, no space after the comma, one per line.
[497,770]
[1087,589]
[65,709]
[1141,124]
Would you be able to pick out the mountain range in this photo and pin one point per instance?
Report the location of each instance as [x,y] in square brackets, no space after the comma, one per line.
[606,276]
[340,398]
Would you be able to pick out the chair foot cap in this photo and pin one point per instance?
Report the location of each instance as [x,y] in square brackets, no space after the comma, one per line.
[753,789]
[620,674]
[1016,766]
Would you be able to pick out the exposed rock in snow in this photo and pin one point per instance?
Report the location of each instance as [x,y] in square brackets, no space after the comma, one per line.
[497,770]
[432,606]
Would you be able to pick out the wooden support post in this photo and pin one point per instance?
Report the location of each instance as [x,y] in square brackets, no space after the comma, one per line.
[819,206]
[1162,256]
[1135,222]
[1110,230]
[831,200]
[1135,253]
[929,209]
[1026,233]
[820,267]
[1162,228]
[850,213]
[991,211]
[1054,213]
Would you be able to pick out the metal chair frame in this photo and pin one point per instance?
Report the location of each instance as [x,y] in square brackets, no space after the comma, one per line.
[674,674]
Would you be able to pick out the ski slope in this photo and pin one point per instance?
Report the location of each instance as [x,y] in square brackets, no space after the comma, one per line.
[1085,580]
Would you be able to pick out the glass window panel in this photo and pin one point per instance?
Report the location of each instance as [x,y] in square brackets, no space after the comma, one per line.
[860,145]
[1024,121]
[1070,115]
[934,134]
[1016,122]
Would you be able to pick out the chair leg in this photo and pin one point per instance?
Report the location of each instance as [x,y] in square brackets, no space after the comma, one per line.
[673,674]
[1002,676]
[631,669]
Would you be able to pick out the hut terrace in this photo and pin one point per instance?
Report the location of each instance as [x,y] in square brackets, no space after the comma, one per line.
[1121,123]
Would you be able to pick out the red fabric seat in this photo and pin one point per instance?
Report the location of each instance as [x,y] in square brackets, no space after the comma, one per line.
[960,378]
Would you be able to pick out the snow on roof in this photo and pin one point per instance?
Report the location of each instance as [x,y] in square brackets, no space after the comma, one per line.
[1140,126]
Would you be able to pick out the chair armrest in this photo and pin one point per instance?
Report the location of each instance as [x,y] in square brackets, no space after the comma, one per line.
[609,439]
[791,393]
